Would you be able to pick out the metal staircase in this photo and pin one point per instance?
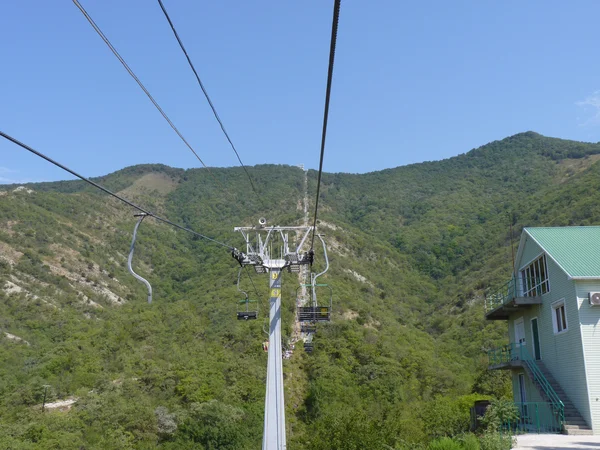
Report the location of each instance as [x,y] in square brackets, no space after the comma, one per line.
[573,422]
[563,410]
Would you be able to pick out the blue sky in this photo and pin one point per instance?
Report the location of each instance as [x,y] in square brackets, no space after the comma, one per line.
[414,81]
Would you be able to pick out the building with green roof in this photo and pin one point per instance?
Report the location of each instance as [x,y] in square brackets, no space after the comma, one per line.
[552,305]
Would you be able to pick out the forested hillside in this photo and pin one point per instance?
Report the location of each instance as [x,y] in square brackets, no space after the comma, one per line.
[412,251]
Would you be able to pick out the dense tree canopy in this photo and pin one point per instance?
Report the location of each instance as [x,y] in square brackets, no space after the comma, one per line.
[412,251]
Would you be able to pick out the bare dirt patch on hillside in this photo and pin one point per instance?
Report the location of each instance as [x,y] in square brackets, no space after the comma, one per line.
[9,254]
[159,182]
[358,277]
[15,338]
[8,227]
[575,166]
[349,315]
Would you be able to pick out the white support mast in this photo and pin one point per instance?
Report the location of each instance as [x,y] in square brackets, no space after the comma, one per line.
[268,249]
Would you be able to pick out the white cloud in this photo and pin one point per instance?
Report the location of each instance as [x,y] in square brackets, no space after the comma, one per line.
[9,176]
[6,176]
[591,105]
[9,179]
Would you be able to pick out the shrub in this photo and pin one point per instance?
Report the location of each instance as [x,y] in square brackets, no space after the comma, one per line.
[445,443]
[470,442]
[499,413]
[495,441]
[447,416]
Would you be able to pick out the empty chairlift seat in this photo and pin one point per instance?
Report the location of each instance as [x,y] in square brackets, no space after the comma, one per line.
[314,313]
[308,327]
[247,315]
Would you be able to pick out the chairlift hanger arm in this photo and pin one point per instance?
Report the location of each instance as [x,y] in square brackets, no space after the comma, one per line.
[238,283]
[130,258]
[326,258]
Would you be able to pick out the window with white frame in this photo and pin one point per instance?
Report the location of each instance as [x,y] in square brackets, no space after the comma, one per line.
[534,278]
[559,316]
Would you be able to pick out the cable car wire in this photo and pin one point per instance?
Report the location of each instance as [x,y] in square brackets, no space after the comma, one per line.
[258,296]
[141,85]
[334,28]
[102,188]
[162,6]
[251,281]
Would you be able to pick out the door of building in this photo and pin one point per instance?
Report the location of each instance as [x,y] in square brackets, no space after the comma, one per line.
[536,339]
[519,332]
[523,396]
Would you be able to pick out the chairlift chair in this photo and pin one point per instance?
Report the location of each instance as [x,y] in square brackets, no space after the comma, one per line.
[249,313]
[307,327]
[317,312]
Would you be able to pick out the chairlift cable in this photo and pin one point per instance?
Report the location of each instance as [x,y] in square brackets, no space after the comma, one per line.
[141,85]
[252,281]
[258,296]
[102,188]
[209,100]
[334,28]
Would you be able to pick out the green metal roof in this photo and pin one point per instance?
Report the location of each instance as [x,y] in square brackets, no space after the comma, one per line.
[575,249]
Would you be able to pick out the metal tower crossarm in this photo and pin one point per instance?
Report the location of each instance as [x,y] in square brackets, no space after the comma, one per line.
[264,253]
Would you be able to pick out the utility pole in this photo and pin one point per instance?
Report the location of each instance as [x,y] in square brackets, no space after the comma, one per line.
[268,250]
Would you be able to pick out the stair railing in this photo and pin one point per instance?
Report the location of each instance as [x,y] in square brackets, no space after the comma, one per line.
[539,378]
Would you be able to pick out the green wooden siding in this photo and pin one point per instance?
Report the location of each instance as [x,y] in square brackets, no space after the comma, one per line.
[561,353]
[530,251]
[531,391]
[589,317]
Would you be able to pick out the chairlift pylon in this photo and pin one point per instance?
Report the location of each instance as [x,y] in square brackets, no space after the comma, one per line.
[248,313]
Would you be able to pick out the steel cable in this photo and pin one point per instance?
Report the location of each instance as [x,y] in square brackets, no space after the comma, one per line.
[102,188]
[334,28]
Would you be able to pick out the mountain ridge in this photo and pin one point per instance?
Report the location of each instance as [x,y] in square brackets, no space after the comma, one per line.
[412,251]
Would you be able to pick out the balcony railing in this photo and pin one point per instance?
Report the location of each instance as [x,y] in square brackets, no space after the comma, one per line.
[508,298]
[518,353]
[503,294]
[503,355]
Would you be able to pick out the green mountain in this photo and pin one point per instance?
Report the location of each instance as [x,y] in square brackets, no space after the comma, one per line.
[412,251]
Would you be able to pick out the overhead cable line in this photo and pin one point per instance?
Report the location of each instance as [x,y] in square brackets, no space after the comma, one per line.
[258,296]
[334,28]
[162,6]
[102,188]
[251,281]
[141,85]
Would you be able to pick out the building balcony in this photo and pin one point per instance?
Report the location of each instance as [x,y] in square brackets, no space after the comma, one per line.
[501,302]
[507,357]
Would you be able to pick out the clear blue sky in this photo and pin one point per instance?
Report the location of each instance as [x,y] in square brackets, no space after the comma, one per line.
[413,81]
